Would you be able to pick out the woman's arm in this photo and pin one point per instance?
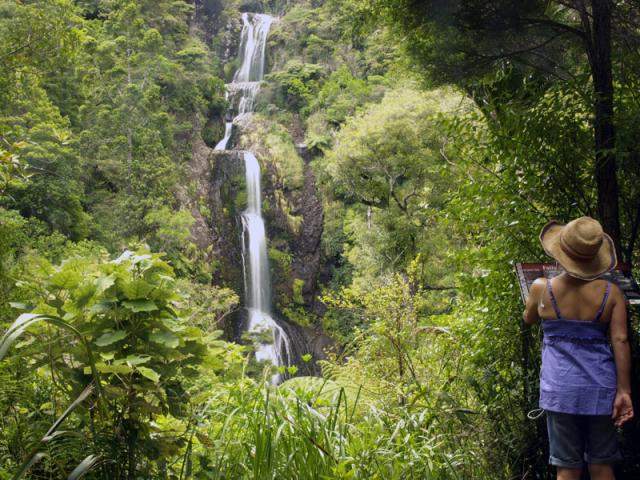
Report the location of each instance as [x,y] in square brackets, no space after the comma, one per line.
[622,406]
[531,308]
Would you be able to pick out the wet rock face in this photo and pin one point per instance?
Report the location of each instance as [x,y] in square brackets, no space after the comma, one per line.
[225,202]
[215,25]
[308,341]
[306,264]
[194,191]
[211,191]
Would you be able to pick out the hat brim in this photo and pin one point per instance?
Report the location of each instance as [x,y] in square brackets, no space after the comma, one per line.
[604,261]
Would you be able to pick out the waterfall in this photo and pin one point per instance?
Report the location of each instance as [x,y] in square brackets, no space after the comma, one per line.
[222,144]
[257,276]
[242,91]
[252,46]
[272,342]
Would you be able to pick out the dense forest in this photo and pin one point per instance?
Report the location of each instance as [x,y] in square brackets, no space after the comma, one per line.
[407,154]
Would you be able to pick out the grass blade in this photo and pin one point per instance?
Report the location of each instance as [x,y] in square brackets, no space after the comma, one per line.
[24,468]
[25,320]
[81,398]
[84,467]
[35,456]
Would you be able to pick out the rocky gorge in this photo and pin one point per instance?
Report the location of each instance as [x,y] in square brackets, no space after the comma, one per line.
[292,209]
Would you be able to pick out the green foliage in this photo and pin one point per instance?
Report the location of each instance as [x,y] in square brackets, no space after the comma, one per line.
[170,232]
[341,94]
[12,170]
[104,107]
[279,152]
[116,368]
[36,36]
[207,306]
[315,428]
[55,192]
[296,84]
[297,290]
[296,313]
[132,337]
[387,162]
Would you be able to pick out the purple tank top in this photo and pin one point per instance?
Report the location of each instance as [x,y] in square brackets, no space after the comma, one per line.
[578,374]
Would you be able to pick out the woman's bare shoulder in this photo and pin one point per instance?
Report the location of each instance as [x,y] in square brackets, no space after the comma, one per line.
[540,282]
[537,287]
[616,292]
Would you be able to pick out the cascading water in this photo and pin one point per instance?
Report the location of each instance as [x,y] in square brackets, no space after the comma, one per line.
[252,47]
[243,89]
[222,144]
[272,342]
[257,276]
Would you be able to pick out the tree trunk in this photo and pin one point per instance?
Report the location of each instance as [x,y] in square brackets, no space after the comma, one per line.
[129,132]
[599,48]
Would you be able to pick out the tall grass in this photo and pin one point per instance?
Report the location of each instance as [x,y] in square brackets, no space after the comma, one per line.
[287,433]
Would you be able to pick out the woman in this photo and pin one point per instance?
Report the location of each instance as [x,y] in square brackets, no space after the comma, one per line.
[584,383]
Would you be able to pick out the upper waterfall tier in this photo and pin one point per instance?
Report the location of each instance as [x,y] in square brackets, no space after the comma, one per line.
[252,47]
[242,91]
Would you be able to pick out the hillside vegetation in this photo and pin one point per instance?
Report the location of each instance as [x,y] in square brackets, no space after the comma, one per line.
[411,153]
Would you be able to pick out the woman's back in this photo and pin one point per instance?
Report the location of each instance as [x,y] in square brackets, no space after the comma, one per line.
[576,299]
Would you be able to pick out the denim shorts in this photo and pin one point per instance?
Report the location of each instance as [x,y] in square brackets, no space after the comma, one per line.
[578,439]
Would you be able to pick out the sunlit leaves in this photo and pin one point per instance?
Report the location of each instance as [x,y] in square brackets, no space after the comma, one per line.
[110,337]
[149,373]
[140,305]
[389,167]
[13,170]
[166,338]
[123,313]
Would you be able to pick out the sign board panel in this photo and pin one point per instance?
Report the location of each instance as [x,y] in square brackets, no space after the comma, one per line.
[528,272]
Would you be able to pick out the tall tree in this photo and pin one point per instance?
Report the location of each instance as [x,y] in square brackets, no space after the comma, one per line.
[465,40]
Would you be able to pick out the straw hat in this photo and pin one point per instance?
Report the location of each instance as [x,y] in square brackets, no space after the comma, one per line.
[580,246]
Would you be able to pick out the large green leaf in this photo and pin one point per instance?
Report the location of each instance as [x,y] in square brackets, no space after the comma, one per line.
[103,283]
[110,337]
[140,305]
[134,359]
[192,333]
[149,373]
[102,307]
[167,339]
[136,288]
[66,278]
[83,294]
[102,367]
[130,256]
